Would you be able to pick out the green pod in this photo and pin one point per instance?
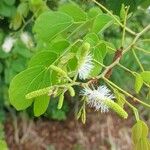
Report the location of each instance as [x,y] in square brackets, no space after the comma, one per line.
[60,101]
[86,46]
[83,116]
[79,113]
[115,107]
[85,49]
[71,91]
[58,70]
[39,92]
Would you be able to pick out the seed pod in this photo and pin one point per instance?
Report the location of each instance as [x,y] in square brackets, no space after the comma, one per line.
[61,100]
[39,93]
[71,91]
[115,107]
[58,70]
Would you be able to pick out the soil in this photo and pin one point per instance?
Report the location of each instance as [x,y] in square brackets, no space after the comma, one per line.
[101,132]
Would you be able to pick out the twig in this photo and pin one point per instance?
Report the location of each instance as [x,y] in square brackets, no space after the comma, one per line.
[137,60]
[126,93]
[142,50]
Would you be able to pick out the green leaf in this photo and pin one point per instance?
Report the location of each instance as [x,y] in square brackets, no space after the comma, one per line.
[7,10]
[146,76]
[98,54]
[145,3]
[49,24]
[143,144]
[41,105]
[44,58]
[92,39]
[23,83]
[9,2]
[3,145]
[23,9]
[59,46]
[122,12]
[109,46]
[74,11]
[139,130]
[94,11]
[138,83]
[16,21]
[101,22]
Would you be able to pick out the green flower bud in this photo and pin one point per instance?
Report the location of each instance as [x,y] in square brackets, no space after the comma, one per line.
[85,49]
[61,100]
[115,107]
[39,92]
[58,70]
[71,91]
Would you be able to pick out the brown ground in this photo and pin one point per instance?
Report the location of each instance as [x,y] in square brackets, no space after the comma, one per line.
[101,132]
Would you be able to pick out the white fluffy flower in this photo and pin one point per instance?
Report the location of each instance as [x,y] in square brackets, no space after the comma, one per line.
[26,39]
[86,67]
[8,44]
[97,97]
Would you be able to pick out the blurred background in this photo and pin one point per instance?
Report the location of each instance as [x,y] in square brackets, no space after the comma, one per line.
[58,129]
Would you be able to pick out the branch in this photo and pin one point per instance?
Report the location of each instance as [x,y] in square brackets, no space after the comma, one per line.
[126,93]
[123,52]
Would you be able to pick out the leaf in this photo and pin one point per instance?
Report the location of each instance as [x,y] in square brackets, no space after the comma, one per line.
[23,9]
[101,22]
[16,21]
[143,144]
[41,105]
[74,11]
[146,76]
[44,58]
[7,10]
[145,3]
[110,47]
[98,54]
[138,83]
[92,39]
[139,130]
[98,51]
[3,145]
[94,11]
[122,12]
[49,24]
[9,2]
[23,83]
[59,46]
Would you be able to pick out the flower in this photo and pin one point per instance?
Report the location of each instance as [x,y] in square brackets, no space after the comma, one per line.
[86,67]
[26,39]
[8,44]
[96,97]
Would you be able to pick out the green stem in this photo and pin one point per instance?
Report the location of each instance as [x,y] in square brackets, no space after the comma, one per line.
[114,17]
[135,111]
[124,25]
[132,72]
[137,59]
[136,38]
[99,63]
[126,93]
[142,50]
